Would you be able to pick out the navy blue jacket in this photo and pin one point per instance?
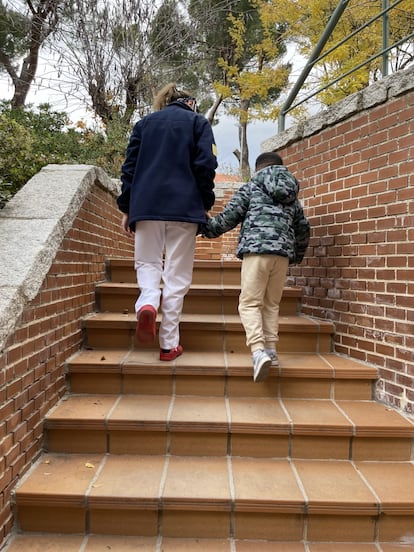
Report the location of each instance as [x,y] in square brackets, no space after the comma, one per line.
[169,169]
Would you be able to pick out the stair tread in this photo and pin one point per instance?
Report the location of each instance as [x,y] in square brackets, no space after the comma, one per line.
[292,365]
[220,321]
[93,543]
[220,414]
[207,289]
[217,271]
[194,448]
[218,483]
[96,543]
[198,263]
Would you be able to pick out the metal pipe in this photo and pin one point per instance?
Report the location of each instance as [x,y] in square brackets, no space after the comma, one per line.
[339,10]
[385,37]
[315,57]
[368,60]
[359,29]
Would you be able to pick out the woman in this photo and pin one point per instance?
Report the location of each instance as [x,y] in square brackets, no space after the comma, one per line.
[167,189]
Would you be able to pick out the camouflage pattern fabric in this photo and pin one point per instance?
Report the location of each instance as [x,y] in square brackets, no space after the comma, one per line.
[271,216]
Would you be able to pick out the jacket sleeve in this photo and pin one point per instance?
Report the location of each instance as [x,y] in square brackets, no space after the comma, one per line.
[302,234]
[233,214]
[128,169]
[205,161]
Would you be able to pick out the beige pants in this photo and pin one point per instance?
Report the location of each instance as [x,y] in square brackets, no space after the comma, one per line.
[262,280]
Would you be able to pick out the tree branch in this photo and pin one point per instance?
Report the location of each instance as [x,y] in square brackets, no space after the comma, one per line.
[7,64]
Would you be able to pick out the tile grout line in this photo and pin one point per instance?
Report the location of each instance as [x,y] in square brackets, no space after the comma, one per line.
[229,424]
[122,363]
[375,495]
[89,490]
[229,421]
[353,435]
[107,418]
[164,474]
[84,543]
[305,498]
[169,416]
[161,488]
[291,427]
[232,497]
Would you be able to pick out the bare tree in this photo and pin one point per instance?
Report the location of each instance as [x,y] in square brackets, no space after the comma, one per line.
[114,50]
[25,27]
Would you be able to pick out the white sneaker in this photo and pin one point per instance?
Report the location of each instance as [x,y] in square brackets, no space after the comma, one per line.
[273,356]
[261,365]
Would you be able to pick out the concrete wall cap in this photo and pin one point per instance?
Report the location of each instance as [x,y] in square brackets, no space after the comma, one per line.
[32,226]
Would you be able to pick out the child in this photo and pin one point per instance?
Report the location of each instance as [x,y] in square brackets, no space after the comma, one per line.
[274,233]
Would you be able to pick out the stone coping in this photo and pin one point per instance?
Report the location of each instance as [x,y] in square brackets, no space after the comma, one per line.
[32,226]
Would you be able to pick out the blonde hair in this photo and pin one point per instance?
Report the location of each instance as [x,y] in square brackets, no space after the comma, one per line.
[169,93]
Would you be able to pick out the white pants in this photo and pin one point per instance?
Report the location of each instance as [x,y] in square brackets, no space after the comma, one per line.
[164,251]
[262,280]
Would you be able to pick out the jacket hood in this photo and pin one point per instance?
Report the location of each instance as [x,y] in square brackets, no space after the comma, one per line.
[278,183]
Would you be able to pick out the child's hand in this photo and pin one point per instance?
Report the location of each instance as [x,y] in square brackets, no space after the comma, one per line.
[201,230]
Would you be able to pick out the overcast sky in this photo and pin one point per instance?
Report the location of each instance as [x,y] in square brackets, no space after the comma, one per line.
[226,135]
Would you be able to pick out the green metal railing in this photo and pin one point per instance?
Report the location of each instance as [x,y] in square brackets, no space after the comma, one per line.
[316,56]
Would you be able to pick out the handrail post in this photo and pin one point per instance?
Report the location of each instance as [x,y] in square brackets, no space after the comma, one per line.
[385,36]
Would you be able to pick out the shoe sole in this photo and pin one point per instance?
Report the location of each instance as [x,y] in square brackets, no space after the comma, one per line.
[145,332]
[263,371]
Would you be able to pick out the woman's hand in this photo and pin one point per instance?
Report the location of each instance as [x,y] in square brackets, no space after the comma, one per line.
[125,225]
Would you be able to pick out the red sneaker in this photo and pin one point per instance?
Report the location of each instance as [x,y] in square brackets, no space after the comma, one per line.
[172,353]
[145,330]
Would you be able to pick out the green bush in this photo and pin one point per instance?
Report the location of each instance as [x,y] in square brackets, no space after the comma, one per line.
[16,160]
[32,138]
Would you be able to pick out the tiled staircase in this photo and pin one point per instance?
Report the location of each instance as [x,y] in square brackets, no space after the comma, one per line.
[191,455]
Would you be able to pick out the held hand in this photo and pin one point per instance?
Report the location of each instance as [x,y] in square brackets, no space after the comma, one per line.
[125,225]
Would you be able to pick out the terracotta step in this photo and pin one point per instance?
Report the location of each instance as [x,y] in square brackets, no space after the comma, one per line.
[193,455]
[238,426]
[201,298]
[218,497]
[210,332]
[205,272]
[97,543]
[300,376]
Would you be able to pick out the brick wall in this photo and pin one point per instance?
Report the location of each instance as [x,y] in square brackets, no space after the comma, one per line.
[32,362]
[357,181]
[355,162]
[358,192]
[225,246]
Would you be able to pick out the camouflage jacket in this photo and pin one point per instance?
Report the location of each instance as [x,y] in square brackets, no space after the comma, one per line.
[271,217]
